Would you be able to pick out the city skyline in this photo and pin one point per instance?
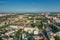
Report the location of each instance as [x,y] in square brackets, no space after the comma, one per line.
[22,6]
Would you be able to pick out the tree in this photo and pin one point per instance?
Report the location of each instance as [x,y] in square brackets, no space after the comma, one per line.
[33,24]
[57,38]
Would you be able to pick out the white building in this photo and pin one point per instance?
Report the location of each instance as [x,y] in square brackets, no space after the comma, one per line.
[14,26]
[28,29]
[58,34]
[36,30]
[31,30]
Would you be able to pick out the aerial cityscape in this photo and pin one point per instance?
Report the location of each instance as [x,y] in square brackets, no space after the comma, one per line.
[29,20]
[30,26]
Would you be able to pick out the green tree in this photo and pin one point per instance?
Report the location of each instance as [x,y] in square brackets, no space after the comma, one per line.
[57,38]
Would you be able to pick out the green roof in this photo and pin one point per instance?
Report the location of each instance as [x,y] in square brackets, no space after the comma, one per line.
[1,25]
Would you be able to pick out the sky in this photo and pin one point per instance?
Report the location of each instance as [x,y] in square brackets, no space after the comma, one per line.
[29,6]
